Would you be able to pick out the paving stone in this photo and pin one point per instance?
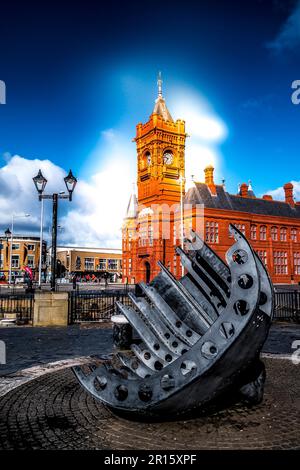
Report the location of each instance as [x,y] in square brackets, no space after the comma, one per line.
[54,412]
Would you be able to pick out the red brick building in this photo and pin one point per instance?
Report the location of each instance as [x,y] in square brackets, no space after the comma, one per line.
[273,227]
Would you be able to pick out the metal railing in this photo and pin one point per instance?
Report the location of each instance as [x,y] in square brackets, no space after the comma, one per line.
[17,307]
[287,306]
[95,306]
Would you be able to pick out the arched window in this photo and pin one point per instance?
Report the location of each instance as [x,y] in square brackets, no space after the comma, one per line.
[274,233]
[253,232]
[263,232]
[294,237]
[148,157]
[283,234]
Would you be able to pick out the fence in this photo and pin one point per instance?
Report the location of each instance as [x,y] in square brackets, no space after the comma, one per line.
[287,306]
[99,306]
[17,306]
[95,306]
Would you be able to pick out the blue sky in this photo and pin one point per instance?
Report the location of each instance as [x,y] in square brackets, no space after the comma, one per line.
[80,77]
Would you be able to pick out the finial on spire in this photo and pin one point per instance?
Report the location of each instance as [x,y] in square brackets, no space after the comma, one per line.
[159,84]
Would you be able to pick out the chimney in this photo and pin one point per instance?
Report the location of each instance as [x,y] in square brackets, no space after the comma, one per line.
[244,190]
[289,193]
[209,175]
[267,197]
[209,179]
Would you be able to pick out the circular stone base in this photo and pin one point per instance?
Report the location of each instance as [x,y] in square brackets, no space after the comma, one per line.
[54,412]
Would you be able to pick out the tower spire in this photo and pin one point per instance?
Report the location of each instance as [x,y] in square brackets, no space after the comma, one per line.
[160,104]
[159,85]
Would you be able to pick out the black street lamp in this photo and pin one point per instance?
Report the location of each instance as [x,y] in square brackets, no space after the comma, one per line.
[40,184]
[7,234]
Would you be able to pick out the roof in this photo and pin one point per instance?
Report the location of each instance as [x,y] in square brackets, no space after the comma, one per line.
[200,194]
[161,109]
[112,251]
[24,238]
[132,207]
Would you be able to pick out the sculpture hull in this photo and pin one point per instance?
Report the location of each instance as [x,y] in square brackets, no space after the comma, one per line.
[200,336]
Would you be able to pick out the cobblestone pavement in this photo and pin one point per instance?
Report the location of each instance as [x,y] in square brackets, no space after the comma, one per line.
[27,346]
[54,412]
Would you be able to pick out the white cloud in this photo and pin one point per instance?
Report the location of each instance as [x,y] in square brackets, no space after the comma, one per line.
[289,35]
[17,191]
[93,218]
[206,132]
[278,193]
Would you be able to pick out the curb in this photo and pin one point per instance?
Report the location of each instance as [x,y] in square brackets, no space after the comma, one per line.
[9,383]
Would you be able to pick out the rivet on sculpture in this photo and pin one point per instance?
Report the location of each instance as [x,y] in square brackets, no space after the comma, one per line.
[201,336]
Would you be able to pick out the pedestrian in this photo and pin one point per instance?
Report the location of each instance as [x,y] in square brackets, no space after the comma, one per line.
[74,281]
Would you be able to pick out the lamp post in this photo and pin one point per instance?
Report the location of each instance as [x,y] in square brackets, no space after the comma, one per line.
[7,234]
[13,217]
[40,184]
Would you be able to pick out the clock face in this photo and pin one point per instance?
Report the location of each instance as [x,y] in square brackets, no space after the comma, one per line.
[168,158]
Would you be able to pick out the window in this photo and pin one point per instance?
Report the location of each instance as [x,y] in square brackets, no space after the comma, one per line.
[89,264]
[253,232]
[102,264]
[1,260]
[280,262]
[263,232]
[15,261]
[150,235]
[212,232]
[129,266]
[113,264]
[30,261]
[240,227]
[30,247]
[143,235]
[297,263]
[16,246]
[283,233]
[274,234]
[263,256]
[294,234]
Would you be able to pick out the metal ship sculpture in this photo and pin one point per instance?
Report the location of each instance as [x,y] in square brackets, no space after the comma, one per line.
[201,336]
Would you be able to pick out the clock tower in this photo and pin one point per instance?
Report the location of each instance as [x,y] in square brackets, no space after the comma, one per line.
[160,155]
[160,146]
